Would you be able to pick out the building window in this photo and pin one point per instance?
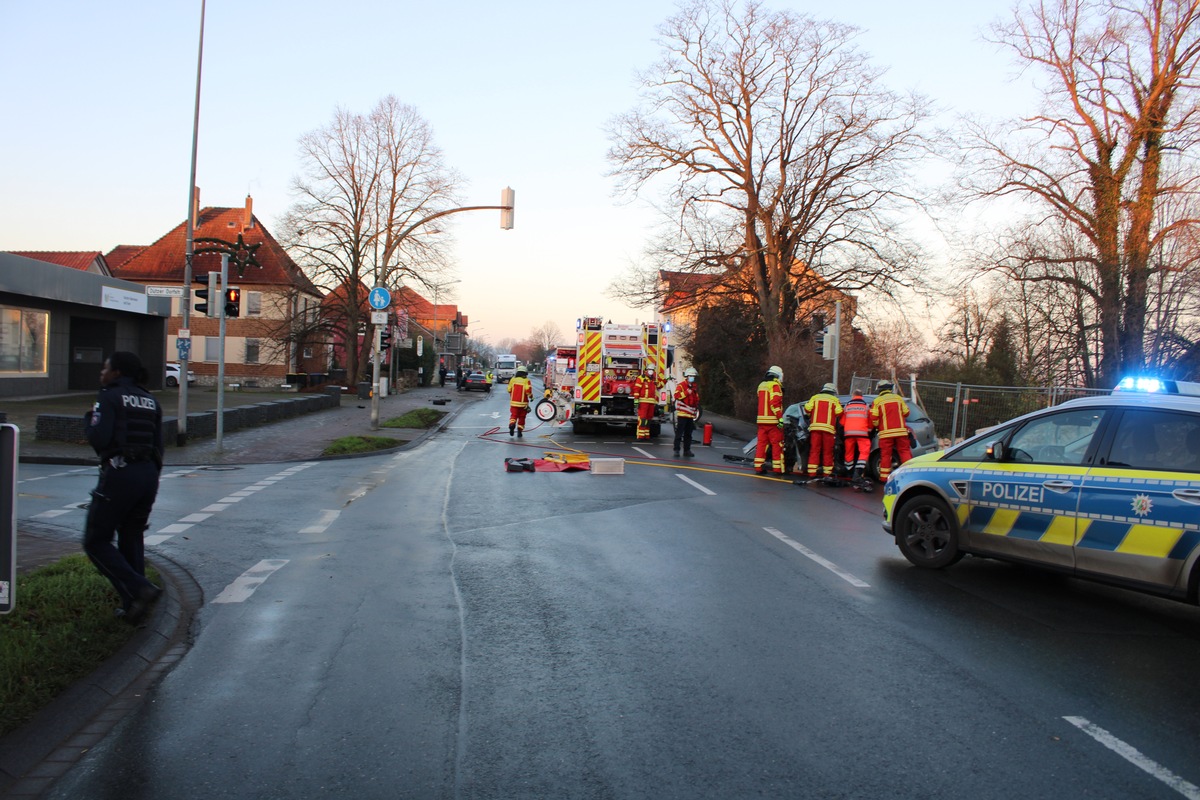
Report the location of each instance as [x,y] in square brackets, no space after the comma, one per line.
[253,304]
[308,352]
[212,348]
[23,341]
[251,351]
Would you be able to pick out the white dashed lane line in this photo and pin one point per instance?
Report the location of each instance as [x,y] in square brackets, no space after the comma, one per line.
[1135,757]
[323,522]
[240,590]
[183,523]
[691,482]
[829,565]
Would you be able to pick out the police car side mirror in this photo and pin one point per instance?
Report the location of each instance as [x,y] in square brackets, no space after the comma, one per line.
[996,451]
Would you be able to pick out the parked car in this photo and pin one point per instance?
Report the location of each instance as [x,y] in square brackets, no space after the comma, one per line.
[172,376]
[477,380]
[922,439]
[1101,488]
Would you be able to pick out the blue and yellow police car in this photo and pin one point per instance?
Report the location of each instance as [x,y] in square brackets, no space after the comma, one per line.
[1102,488]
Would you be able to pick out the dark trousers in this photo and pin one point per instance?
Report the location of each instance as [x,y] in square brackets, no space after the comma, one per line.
[684,426]
[121,504]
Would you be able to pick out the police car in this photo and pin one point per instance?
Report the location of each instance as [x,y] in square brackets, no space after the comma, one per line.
[1102,488]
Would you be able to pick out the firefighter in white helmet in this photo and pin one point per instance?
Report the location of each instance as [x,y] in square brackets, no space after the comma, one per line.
[770,422]
[824,411]
[687,407]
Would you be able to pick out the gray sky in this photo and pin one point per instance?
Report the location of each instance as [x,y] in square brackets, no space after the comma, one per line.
[98,118]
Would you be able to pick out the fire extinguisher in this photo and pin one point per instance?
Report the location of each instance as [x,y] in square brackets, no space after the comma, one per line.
[708,433]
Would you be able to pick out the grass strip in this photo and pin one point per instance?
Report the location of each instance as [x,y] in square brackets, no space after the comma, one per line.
[417,418]
[61,629]
[350,445]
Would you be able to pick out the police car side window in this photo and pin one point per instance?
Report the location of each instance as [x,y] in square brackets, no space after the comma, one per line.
[1061,438]
[1158,440]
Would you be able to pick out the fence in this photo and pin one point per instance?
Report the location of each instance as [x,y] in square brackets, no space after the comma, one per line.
[960,410]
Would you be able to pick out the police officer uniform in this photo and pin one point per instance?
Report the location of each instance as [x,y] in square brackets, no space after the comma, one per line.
[124,427]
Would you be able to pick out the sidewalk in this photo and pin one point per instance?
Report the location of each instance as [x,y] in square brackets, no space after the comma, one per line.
[296,439]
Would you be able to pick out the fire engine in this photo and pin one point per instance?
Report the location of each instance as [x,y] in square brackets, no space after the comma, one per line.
[558,377]
[605,354]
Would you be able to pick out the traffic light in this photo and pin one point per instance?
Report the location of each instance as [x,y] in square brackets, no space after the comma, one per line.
[233,302]
[209,295]
[385,337]
[819,340]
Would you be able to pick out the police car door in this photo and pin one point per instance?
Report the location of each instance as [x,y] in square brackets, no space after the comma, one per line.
[1024,505]
[1140,510]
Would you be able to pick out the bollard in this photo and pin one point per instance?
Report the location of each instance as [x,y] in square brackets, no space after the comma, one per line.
[708,433]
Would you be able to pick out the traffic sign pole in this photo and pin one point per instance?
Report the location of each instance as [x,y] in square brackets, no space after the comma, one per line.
[379,298]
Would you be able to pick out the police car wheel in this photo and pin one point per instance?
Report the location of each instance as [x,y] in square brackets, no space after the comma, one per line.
[927,532]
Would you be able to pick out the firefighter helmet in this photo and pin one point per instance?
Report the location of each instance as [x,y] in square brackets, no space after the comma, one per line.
[830,388]
[690,372]
[522,372]
[886,386]
[776,373]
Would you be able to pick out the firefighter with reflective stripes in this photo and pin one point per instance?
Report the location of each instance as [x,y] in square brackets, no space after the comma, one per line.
[823,411]
[687,406]
[770,422]
[645,394]
[888,415]
[520,392]
[856,437]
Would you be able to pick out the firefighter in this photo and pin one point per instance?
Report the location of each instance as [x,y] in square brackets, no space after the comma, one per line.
[770,422]
[645,394]
[888,415]
[823,411]
[687,406]
[520,392]
[856,436]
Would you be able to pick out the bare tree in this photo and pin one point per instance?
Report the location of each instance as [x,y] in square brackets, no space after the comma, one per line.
[369,181]
[1120,94]
[784,156]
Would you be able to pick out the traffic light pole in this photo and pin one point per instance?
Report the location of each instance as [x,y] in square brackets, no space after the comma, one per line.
[219,301]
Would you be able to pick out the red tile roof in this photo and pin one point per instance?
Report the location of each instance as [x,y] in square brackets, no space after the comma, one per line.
[74,259]
[117,257]
[163,261]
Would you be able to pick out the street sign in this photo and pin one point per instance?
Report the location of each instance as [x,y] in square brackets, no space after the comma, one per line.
[183,347]
[420,345]
[379,318]
[380,298]
[165,291]
[184,333]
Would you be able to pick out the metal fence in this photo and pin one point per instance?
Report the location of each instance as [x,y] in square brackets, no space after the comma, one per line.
[959,410]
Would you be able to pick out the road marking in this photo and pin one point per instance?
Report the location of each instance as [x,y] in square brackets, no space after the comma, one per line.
[1135,757]
[240,590]
[58,512]
[643,452]
[829,565]
[322,524]
[195,518]
[175,527]
[215,507]
[688,480]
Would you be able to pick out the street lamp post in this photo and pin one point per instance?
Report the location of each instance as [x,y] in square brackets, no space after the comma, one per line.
[506,209]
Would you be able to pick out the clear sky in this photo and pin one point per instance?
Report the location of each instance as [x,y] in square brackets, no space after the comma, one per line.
[97,103]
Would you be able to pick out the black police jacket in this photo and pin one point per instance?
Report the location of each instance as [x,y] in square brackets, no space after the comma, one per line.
[126,421]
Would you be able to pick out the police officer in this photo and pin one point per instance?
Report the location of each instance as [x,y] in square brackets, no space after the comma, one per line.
[124,427]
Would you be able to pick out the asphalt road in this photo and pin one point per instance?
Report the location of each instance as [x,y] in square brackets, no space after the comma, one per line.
[427,625]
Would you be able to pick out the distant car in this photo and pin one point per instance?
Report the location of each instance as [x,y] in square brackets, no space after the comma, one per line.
[172,377]
[477,380]
[922,439]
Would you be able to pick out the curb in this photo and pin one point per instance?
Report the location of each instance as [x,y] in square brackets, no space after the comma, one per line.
[42,750]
